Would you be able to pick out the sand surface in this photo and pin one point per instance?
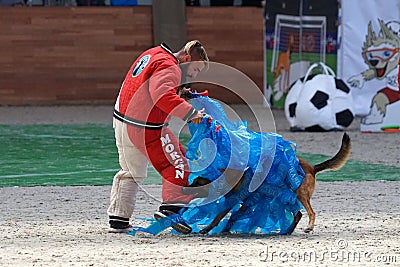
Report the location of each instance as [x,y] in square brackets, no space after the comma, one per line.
[356,225]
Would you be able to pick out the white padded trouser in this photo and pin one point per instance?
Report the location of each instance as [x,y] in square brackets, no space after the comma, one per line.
[123,195]
[133,171]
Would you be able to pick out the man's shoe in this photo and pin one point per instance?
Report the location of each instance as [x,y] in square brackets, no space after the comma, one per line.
[119,225]
[169,210]
[128,228]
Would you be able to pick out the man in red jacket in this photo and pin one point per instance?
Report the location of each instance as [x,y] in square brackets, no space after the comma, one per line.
[147,99]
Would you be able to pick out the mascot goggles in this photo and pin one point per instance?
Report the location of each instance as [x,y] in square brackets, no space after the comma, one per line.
[383,54]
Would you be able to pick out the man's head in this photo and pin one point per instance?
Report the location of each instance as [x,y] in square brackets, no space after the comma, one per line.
[194,54]
[196,51]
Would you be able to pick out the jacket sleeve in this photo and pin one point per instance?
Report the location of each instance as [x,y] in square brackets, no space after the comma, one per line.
[162,88]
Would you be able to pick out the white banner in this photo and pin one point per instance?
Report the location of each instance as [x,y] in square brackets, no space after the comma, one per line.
[368,61]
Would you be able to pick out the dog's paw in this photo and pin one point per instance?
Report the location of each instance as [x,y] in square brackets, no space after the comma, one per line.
[204,231]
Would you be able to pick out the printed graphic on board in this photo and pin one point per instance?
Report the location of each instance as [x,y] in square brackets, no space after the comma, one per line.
[294,42]
[380,53]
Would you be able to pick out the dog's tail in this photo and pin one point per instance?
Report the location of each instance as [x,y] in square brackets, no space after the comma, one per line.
[337,161]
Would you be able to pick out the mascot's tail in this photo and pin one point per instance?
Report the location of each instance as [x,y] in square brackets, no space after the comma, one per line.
[337,161]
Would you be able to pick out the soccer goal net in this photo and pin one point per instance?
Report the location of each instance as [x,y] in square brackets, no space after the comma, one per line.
[304,36]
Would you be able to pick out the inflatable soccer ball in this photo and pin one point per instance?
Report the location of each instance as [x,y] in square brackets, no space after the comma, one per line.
[321,103]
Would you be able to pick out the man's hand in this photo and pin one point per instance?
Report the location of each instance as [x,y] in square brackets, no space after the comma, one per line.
[198,117]
[183,91]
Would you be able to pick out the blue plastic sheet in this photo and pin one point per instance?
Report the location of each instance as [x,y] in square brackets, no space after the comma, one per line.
[271,175]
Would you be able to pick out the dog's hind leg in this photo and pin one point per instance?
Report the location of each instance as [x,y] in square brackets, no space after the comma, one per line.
[311,214]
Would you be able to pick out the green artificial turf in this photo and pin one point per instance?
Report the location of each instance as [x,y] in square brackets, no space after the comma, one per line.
[60,155]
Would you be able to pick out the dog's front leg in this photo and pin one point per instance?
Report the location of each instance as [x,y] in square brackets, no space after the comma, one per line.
[215,222]
[311,214]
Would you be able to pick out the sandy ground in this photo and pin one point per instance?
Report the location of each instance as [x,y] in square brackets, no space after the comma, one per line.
[356,225]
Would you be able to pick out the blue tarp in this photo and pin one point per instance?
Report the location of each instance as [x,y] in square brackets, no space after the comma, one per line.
[270,169]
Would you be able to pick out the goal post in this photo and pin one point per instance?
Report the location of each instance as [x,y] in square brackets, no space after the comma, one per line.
[296,42]
[309,33]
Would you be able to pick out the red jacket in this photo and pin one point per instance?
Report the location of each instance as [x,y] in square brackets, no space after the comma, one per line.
[148,93]
[146,100]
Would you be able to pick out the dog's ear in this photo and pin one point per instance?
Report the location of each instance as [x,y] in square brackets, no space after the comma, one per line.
[199,188]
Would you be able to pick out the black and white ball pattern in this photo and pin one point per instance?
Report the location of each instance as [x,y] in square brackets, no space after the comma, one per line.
[323,103]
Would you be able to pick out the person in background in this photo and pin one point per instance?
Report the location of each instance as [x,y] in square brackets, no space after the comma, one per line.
[149,96]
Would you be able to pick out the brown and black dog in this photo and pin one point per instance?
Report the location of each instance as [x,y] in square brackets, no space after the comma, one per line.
[199,187]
